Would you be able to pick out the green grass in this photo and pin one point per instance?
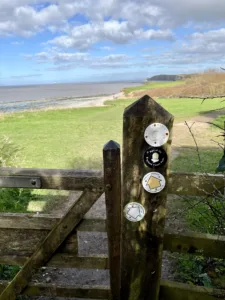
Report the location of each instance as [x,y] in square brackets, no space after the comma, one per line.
[75,137]
[152,85]
[220,121]
[188,160]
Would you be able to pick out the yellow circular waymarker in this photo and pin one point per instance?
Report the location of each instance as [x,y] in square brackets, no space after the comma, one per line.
[153,182]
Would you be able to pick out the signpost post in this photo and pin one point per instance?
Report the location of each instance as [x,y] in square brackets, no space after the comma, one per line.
[144,192]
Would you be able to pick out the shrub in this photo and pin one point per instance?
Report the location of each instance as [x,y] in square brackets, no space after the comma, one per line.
[11,200]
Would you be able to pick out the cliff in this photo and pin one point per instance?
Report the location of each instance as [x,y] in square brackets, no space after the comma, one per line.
[165,78]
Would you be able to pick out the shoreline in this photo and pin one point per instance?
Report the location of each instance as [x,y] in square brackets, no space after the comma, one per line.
[93,102]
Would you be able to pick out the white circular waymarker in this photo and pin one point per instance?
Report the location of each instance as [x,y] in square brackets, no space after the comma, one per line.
[134,212]
[153,182]
[156,134]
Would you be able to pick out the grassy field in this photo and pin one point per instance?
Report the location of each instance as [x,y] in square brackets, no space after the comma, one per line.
[75,137]
[152,85]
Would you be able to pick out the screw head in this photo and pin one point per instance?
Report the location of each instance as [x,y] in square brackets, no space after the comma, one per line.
[33,181]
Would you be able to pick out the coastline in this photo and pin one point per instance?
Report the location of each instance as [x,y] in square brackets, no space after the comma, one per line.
[63,103]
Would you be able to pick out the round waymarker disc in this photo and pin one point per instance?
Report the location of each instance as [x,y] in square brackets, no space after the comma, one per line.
[156,134]
[134,212]
[153,182]
[155,157]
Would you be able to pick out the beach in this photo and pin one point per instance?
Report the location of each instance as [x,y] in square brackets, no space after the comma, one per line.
[57,96]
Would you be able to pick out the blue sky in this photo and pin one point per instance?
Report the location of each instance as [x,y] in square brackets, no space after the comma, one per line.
[98,40]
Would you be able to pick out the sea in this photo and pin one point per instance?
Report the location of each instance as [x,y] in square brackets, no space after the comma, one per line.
[34,97]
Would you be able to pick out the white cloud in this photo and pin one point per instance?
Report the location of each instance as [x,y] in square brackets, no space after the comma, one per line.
[199,49]
[55,57]
[72,60]
[25,20]
[27,17]
[116,22]
[84,36]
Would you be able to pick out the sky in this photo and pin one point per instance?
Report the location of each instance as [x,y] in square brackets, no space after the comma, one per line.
[108,40]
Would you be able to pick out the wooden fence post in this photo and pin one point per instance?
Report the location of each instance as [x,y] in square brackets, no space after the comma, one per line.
[142,241]
[112,182]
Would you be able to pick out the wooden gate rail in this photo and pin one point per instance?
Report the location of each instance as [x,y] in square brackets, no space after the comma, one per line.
[169,290]
[180,183]
[17,244]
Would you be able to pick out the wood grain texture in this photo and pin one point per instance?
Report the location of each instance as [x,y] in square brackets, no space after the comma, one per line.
[112,182]
[194,184]
[180,183]
[16,245]
[62,260]
[142,242]
[50,244]
[207,245]
[44,222]
[61,179]
[168,291]
[27,221]
[52,290]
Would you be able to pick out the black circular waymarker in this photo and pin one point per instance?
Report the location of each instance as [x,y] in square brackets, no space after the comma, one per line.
[155,157]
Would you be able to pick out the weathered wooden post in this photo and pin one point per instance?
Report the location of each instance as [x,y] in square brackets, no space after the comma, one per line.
[112,183]
[147,136]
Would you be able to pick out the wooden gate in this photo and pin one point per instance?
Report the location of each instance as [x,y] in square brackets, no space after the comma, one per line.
[136,240]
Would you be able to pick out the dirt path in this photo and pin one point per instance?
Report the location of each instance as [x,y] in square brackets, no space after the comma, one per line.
[203,132]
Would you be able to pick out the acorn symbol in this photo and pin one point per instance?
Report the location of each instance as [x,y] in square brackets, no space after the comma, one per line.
[155,157]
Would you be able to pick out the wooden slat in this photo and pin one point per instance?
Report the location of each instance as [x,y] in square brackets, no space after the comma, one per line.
[194,184]
[62,179]
[44,222]
[170,290]
[64,260]
[83,262]
[20,242]
[192,243]
[16,260]
[23,242]
[27,221]
[16,244]
[52,290]
[195,243]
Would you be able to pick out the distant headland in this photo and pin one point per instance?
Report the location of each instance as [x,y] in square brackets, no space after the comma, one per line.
[165,78]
